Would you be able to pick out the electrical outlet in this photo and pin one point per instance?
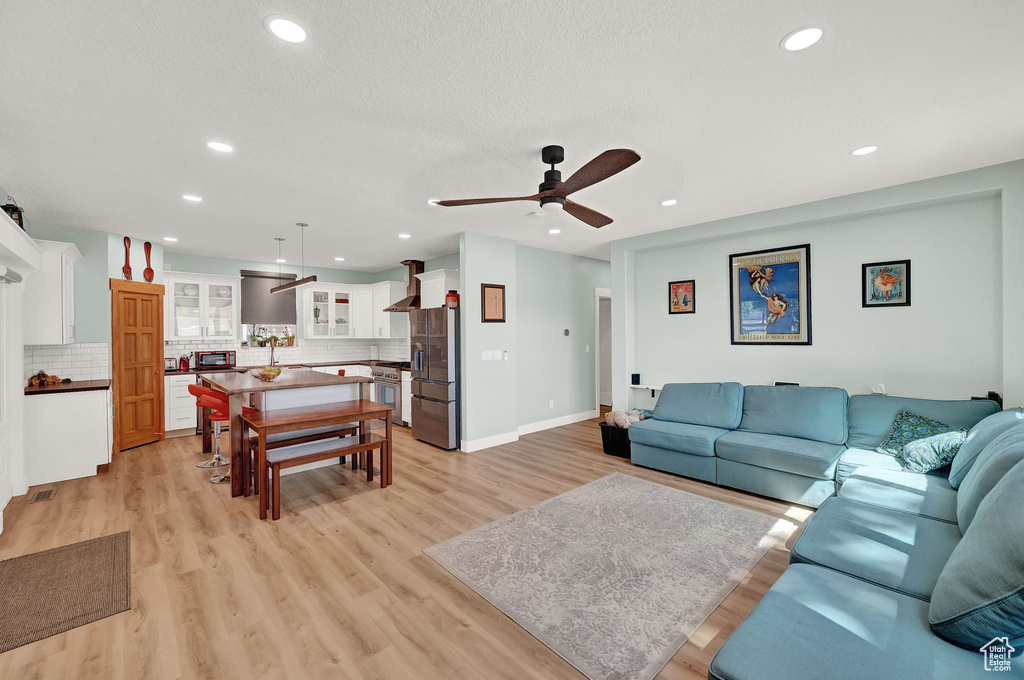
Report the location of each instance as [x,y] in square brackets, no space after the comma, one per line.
[588,349]
[551,403]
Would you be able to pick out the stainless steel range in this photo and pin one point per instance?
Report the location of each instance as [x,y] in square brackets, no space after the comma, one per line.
[387,387]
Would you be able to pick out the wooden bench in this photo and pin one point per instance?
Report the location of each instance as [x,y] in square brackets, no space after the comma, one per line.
[271,460]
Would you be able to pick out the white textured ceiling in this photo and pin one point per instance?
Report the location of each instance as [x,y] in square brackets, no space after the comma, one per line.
[107,105]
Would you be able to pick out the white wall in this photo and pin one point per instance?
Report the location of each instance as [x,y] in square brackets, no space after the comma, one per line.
[964,234]
[604,333]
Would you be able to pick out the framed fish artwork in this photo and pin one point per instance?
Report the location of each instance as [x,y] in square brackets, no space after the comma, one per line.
[885,284]
[770,296]
[682,297]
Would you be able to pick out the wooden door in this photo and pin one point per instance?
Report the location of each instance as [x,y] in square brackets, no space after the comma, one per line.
[138,340]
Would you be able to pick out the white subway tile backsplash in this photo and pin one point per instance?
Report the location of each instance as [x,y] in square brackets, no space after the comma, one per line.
[81,361]
[313,351]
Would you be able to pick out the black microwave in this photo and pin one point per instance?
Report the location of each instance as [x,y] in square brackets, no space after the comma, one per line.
[219,359]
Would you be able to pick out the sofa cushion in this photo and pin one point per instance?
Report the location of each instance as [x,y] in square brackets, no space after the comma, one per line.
[980,592]
[978,438]
[908,427]
[871,415]
[696,439]
[996,460]
[786,454]
[854,459]
[816,623]
[886,547]
[816,413]
[925,495]
[932,453]
[710,404]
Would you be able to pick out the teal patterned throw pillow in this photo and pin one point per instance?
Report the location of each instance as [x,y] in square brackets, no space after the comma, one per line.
[931,453]
[906,428]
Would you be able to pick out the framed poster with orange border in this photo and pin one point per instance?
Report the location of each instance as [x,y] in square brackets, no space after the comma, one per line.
[682,297]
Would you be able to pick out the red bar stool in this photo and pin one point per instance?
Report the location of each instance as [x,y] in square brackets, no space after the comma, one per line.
[217,402]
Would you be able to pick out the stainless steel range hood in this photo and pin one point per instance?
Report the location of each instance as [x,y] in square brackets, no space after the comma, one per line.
[412,299]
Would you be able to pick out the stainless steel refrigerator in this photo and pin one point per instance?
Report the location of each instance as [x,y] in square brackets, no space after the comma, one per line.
[435,376]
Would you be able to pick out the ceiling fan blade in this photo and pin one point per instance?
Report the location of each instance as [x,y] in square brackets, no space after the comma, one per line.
[601,168]
[585,214]
[479,201]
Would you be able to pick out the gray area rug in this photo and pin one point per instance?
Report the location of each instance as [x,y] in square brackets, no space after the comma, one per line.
[613,576]
[53,591]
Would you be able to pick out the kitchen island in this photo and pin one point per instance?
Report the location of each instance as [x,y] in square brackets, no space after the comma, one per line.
[295,387]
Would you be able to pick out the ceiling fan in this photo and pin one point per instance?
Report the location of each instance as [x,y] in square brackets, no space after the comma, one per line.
[553,193]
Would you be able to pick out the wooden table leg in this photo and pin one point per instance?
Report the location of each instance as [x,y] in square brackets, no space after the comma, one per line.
[247,457]
[385,464]
[261,471]
[238,466]
[369,465]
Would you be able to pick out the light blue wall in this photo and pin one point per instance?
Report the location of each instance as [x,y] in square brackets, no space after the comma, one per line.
[92,285]
[489,396]
[961,336]
[555,292]
[450,261]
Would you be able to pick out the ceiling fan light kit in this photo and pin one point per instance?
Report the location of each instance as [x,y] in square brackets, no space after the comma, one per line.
[553,192]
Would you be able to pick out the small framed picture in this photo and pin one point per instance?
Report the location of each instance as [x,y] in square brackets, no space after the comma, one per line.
[682,297]
[492,303]
[885,284]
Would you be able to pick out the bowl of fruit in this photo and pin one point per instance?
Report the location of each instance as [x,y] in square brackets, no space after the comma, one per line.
[267,373]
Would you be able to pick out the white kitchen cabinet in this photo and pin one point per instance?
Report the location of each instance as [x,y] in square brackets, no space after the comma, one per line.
[434,285]
[345,310]
[179,404]
[71,434]
[407,397]
[200,306]
[389,324]
[361,307]
[49,317]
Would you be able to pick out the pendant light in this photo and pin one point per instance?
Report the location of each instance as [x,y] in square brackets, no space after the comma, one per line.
[302,281]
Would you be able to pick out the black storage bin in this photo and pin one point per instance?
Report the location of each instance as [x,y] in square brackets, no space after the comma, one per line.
[615,440]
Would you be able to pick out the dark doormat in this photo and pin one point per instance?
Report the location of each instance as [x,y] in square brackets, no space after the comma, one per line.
[53,591]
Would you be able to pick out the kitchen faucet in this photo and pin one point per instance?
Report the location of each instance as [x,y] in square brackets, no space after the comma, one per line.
[273,361]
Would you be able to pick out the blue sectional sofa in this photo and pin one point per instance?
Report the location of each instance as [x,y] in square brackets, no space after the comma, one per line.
[797,444]
[901,575]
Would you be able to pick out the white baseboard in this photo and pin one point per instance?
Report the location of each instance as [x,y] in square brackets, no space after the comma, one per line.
[469,446]
[557,422]
[19,487]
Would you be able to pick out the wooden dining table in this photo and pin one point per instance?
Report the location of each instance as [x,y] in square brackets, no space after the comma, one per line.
[304,387]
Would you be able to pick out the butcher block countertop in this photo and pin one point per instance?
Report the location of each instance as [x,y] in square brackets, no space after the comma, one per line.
[73,386]
[239,383]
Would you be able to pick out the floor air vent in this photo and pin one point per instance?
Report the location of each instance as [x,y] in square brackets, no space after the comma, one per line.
[43,496]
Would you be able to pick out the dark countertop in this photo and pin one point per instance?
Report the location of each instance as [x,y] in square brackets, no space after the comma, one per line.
[241,369]
[73,386]
[236,382]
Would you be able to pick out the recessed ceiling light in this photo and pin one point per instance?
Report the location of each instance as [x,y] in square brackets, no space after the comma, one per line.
[285,29]
[220,146]
[279,261]
[190,197]
[339,259]
[170,238]
[669,202]
[801,38]
[554,231]
[405,236]
[864,150]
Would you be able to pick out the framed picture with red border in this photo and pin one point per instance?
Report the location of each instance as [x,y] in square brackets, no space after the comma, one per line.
[682,297]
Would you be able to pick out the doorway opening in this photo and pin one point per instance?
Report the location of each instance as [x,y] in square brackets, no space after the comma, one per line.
[603,346]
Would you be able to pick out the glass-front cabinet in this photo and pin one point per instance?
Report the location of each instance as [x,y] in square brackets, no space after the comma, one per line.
[199,307]
[328,312]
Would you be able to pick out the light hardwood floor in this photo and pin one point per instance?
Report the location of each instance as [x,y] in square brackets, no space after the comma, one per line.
[338,587]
